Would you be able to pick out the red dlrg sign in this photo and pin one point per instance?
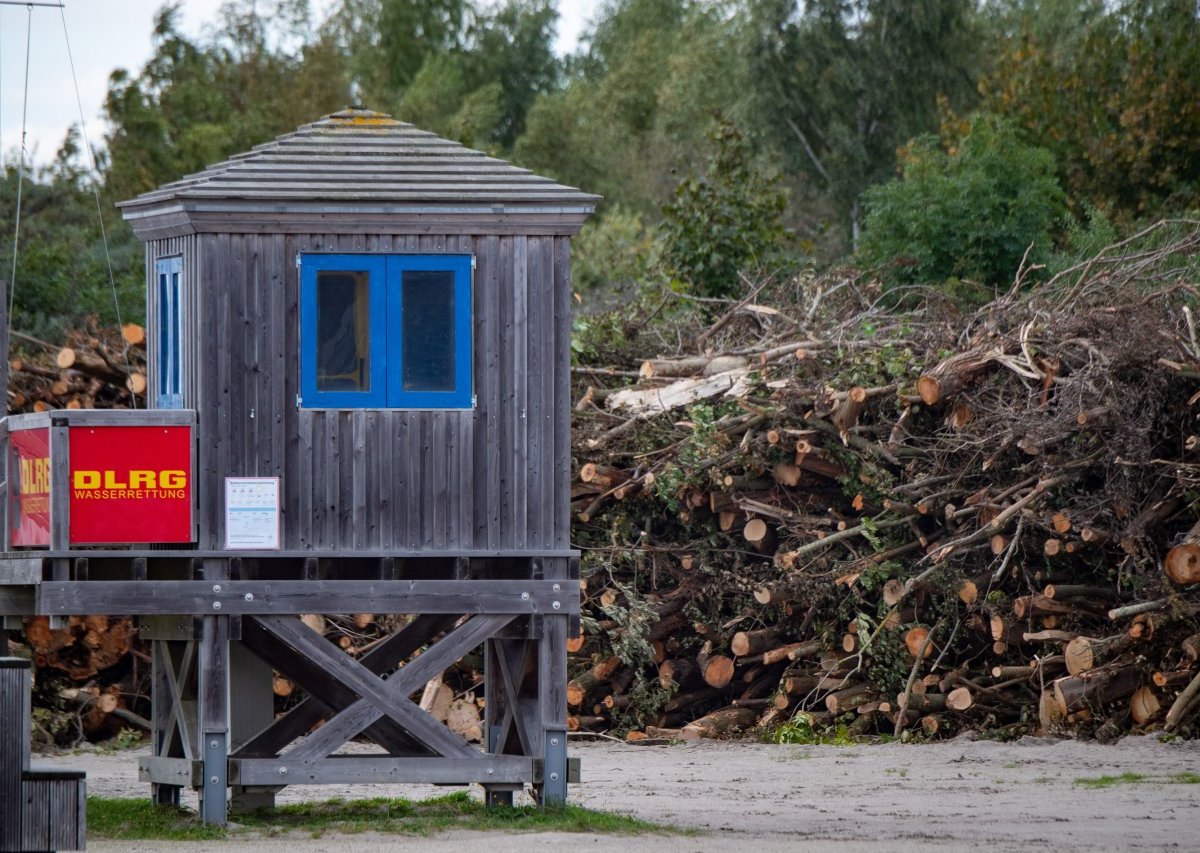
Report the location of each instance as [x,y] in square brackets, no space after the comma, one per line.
[130,484]
[29,483]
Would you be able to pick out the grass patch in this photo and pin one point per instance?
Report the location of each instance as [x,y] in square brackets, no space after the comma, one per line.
[121,819]
[137,820]
[1185,778]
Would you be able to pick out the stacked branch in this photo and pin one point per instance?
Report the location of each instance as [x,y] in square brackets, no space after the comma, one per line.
[96,369]
[902,519]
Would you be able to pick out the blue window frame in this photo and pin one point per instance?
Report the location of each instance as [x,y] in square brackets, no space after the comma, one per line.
[385,331]
[168,366]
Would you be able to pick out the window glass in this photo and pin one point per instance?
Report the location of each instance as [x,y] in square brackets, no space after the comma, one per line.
[343,331]
[165,331]
[427,330]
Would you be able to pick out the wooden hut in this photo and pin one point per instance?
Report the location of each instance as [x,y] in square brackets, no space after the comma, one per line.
[437,422]
[364,329]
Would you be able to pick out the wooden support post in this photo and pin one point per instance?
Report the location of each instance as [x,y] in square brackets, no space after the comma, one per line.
[5,473]
[60,510]
[552,687]
[508,712]
[213,710]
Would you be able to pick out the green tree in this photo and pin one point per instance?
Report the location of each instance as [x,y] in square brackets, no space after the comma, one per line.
[969,214]
[513,46]
[480,91]
[1118,104]
[726,221]
[388,41]
[639,100]
[62,269]
[198,101]
[843,83]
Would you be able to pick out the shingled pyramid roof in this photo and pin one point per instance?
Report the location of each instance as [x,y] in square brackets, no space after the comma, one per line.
[362,158]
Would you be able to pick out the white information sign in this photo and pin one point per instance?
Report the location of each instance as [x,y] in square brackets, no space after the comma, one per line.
[252,513]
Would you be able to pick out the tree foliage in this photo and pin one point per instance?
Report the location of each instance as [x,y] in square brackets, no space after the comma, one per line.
[722,222]
[1103,95]
[971,213]
[1118,102]
[389,41]
[197,101]
[844,83]
[61,271]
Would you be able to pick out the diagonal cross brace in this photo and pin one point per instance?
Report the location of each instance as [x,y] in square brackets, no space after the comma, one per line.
[379,660]
[174,685]
[512,671]
[329,688]
[371,690]
[391,697]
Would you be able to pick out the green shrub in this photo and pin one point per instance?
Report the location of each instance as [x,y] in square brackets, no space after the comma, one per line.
[727,221]
[970,213]
[611,253]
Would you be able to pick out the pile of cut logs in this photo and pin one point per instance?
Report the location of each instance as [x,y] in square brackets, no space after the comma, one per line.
[97,369]
[897,520]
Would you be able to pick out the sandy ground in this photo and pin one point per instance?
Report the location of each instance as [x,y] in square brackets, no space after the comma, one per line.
[958,795]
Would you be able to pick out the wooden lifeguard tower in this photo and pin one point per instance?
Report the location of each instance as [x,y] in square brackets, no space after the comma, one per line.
[358,340]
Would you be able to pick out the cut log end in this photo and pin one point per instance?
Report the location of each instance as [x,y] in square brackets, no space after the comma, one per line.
[1182,564]
[959,699]
[134,334]
[915,640]
[929,390]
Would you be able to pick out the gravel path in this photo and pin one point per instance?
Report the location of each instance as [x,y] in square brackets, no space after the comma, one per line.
[1022,796]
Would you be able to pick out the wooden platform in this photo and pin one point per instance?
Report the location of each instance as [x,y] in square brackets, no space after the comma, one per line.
[220,622]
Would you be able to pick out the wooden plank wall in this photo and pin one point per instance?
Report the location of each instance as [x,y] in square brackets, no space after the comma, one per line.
[492,478]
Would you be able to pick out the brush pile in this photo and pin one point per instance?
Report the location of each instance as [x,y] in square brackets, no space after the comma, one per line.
[915,517]
[97,368]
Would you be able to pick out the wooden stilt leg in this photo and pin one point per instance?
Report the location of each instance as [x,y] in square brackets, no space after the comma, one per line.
[213,711]
[499,712]
[552,698]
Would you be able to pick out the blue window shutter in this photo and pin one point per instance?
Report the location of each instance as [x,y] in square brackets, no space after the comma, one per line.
[168,368]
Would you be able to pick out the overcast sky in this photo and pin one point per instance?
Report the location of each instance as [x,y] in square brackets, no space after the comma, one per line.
[108,34]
